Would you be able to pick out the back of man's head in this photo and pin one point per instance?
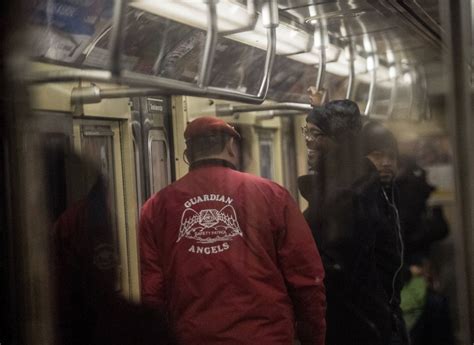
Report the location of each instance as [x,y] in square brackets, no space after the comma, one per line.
[336,118]
[207,136]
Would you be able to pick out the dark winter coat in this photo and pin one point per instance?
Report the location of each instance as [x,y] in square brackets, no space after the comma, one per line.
[357,235]
[422,225]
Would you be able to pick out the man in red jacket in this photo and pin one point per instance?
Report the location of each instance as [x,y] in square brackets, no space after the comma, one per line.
[228,254]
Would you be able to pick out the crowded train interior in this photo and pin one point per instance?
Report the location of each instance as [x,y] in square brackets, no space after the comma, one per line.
[96,96]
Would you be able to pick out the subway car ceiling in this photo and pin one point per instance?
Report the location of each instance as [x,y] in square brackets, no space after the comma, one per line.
[386,55]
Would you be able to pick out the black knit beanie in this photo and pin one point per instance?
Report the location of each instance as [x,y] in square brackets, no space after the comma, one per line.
[376,137]
[336,118]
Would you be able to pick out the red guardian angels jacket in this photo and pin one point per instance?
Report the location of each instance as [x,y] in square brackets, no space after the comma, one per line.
[231,258]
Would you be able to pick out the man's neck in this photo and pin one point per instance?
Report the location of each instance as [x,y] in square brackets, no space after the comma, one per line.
[213,162]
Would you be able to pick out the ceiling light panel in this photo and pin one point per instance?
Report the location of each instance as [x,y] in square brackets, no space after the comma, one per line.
[291,41]
[230,15]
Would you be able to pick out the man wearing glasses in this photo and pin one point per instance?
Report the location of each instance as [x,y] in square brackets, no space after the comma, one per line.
[344,214]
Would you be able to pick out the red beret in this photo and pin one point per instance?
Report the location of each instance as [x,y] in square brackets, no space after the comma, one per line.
[207,126]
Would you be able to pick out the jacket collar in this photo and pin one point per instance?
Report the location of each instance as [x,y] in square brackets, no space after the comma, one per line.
[212,162]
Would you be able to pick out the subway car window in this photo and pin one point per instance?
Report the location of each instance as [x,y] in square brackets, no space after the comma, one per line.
[97,146]
[265,141]
[159,162]
[237,172]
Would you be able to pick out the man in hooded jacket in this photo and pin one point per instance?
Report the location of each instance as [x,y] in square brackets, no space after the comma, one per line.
[351,224]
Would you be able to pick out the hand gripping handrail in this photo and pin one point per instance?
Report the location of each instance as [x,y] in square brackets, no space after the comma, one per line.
[270,21]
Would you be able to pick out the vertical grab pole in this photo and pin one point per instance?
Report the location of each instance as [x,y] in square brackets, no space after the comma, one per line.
[270,21]
[373,73]
[210,47]
[350,85]
[322,55]
[116,37]
[412,93]
[392,65]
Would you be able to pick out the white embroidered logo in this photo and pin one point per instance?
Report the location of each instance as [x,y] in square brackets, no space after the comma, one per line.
[209,226]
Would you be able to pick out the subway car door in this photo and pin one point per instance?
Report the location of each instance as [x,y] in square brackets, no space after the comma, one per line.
[152,140]
[98,143]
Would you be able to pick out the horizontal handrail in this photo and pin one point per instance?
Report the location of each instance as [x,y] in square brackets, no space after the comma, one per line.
[229,109]
[165,85]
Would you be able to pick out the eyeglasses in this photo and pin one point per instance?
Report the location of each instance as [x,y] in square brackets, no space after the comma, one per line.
[311,134]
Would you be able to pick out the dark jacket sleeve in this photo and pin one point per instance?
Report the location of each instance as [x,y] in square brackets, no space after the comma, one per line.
[151,272]
[304,274]
[432,227]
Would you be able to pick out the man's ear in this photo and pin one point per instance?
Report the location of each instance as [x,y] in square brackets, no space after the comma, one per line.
[185,156]
[230,147]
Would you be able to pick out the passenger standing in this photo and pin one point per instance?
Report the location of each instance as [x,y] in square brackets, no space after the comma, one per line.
[228,254]
[334,162]
[381,148]
[354,225]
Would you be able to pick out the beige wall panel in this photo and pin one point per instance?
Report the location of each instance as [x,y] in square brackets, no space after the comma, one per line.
[130,209]
[53,96]
[121,214]
[118,108]
[199,106]
[57,97]
[179,113]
